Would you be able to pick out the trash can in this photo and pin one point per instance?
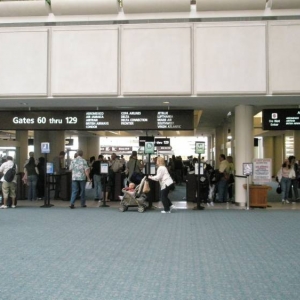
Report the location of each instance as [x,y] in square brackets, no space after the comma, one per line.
[258,195]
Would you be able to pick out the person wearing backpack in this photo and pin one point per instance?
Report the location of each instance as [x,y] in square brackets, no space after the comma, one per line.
[9,181]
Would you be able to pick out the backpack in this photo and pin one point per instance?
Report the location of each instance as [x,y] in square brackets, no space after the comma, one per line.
[10,174]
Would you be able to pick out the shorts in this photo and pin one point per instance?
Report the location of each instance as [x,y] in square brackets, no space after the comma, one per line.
[9,189]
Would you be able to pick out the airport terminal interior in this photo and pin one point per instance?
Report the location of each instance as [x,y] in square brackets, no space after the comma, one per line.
[186,80]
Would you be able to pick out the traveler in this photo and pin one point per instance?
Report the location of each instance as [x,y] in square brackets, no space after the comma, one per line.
[294,182]
[285,176]
[8,188]
[41,178]
[133,165]
[80,172]
[165,182]
[31,174]
[97,178]
[231,172]
[223,181]
[58,168]
[115,166]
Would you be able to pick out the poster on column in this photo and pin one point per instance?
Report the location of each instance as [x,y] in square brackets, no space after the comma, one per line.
[262,170]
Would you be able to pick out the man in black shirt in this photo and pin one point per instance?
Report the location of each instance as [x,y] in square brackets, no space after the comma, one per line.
[97,177]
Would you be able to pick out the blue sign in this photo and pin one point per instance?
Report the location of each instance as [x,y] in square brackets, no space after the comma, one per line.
[45,147]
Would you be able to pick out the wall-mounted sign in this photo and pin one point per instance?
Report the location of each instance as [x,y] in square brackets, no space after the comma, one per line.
[262,170]
[45,147]
[162,142]
[69,142]
[143,139]
[247,168]
[281,119]
[168,148]
[115,149]
[97,120]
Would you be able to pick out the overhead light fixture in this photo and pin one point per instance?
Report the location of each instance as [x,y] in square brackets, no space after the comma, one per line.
[229,114]
[166,102]
[24,103]
[118,133]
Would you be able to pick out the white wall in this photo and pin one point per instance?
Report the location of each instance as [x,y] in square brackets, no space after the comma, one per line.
[85,61]
[23,61]
[230,58]
[284,49]
[156,59]
[151,59]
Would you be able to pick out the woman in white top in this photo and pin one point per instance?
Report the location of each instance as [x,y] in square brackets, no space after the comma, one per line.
[285,176]
[165,181]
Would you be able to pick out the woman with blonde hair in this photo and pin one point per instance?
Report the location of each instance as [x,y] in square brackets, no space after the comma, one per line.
[165,182]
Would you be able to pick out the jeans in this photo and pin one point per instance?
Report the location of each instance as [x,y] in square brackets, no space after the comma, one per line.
[31,182]
[76,186]
[285,184]
[165,199]
[97,186]
[294,186]
[222,190]
[57,186]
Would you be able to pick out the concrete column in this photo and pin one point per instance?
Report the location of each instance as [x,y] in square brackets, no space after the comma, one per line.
[220,144]
[243,146]
[268,145]
[22,151]
[83,145]
[208,149]
[93,147]
[233,137]
[57,143]
[279,151]
[40,137]
[297,144]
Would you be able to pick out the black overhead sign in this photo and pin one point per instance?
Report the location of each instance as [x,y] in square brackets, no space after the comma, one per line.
[281,119]
[97,120]
[162,142]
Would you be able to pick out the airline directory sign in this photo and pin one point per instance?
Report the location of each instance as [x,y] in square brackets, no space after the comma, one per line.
[97,120]
[281,119]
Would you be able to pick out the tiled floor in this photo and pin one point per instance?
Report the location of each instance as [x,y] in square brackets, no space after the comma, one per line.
[157,205]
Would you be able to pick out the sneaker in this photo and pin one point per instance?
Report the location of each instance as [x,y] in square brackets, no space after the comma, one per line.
[83,205]
[287,201]
[212,204]
[172,207]
[3,206]
[165,212]
[13,206]
[208,204]
[72,206]
[283,201]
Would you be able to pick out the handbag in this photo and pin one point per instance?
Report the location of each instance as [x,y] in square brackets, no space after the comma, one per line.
[278,190]
[146,187]
[136,177]
[88,185]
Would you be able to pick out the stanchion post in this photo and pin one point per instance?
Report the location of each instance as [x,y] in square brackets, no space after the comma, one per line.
[46,186]
[104,188]
[248,192]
